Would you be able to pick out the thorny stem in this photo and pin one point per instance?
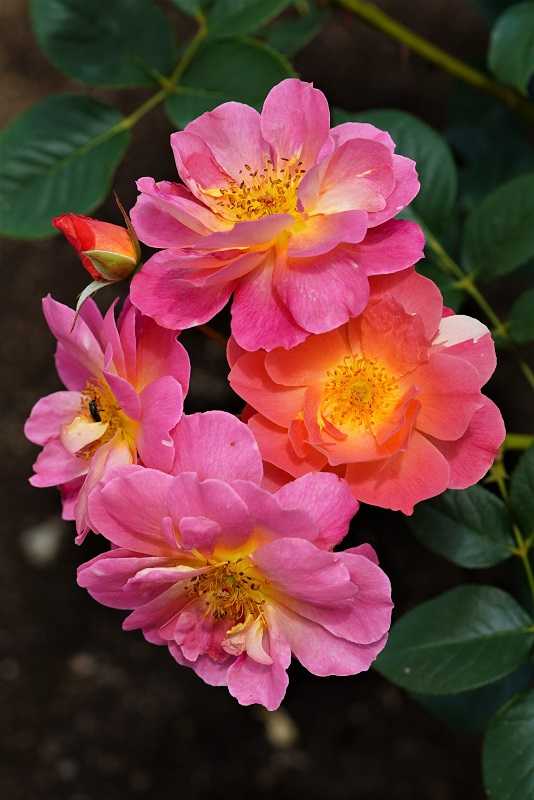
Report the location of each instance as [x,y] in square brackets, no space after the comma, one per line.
[467,283]
[395,30]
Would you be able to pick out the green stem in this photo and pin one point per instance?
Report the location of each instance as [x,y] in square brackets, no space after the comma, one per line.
[467,283]
[518,441]
[168,85]
[522,545]
[379,19]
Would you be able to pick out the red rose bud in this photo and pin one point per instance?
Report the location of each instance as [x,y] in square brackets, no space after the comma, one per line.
[108,252]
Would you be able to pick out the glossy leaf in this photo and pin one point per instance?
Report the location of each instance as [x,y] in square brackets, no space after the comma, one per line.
[511,50]
[191,7]
[119,43]
[522,492]
[499,234]
[471,711]
[59,156]
[508,754]
[463,639]
[289,35]
[470,527]
[230,69]
[437,171]
[521,318]
[240,17]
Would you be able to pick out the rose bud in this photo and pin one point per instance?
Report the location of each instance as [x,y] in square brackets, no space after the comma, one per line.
[108,252]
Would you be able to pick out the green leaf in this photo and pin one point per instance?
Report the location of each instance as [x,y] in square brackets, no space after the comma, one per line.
[119,43]
[231,69]
[521,318]
[508,754]
[191,7]
[463,639]
[511,50]
[58,156]
[437,171]
[522,492]
[289,35]
[494,7]
[471,711]
[499,234]
[470,527]
[492,147]
[239,17]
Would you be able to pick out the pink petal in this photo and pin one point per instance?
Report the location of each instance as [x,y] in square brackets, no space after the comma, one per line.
[406,478]
[160,353]
[295,120]
[250,682]
[55,465]
[125,395]
[471,456]
[393,246]
[308,362]
[321,233]
[361,130]
[319,651]
[390,334]
[276,448]
[82,352]
[328,501]
[155,226]
[272,517]
[419,296]
[449,396]
[49,414]
[109,336]
[359,175]
[105,578]
[214,673]
[128,510]
[470,340]
[406,188]
[260,319]
[161,409]
[250,233]
[160,291]
[274,478]
[215,444]
[112,454]
[199,533]
[300,570]
[195,163]
[214,499]
[305,283]
[232,133]
[249,379]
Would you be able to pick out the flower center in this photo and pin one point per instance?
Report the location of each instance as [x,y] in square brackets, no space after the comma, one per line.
[229,590]
[263,192]
[100,405]
[358,392]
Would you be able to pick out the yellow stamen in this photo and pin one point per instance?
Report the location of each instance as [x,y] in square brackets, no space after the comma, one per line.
[100,405]
[260,193]
[358,393]
[229,590]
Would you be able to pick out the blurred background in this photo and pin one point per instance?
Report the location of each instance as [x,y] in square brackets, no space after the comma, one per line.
[90,712]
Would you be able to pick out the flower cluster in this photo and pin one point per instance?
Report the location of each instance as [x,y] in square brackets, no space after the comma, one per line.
[360,387]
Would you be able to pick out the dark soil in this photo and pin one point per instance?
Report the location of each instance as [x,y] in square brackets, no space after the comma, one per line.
[90,712]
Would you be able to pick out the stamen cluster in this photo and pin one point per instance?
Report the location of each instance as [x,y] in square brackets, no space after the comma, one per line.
[260,193]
